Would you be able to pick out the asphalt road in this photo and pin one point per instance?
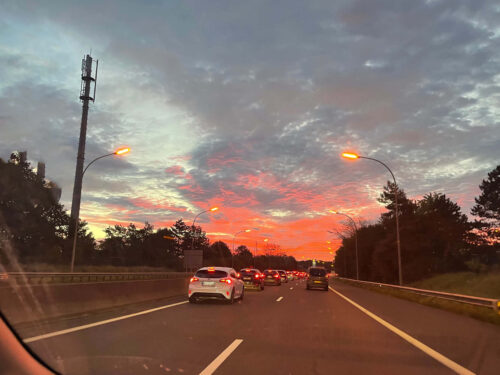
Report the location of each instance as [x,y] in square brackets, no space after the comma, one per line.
[305,332]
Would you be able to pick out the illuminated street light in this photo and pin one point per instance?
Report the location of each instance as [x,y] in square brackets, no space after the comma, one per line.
[122,150]
[355,238]
[350,155]
[119,151]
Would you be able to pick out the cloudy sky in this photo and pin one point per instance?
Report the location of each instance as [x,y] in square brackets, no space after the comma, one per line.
[247,105]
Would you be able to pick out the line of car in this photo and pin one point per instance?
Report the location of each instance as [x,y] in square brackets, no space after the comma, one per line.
[225,283]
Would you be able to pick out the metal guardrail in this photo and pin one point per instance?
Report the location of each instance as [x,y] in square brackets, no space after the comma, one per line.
[36,278]
[469,300]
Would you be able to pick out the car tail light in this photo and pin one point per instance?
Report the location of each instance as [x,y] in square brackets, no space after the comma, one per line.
[238,275]
[276,275]
[227,281]
[256,275]
[193,279]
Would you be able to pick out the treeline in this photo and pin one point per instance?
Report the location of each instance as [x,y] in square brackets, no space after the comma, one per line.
[34,228]
[436,237]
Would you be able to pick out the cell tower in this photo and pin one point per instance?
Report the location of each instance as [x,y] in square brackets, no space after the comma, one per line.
[89,79]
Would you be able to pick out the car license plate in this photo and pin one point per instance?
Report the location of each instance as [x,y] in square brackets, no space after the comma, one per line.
[317,282]
[247,278]
[208,283]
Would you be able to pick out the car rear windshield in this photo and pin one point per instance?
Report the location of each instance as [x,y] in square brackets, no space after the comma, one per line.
[206,274]
[317,272]
[282,272]
[247,272]
[269,272]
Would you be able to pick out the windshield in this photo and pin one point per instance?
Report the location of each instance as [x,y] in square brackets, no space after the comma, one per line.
[248,272]
[211,274]
[320,272]
[349,148]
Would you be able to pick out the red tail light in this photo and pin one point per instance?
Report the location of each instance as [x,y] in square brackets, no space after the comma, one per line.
[238,275]
[276,275]
[256,275]
[227,281]
[193,279]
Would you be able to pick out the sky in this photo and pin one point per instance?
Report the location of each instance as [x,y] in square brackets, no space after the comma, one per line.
[247,105]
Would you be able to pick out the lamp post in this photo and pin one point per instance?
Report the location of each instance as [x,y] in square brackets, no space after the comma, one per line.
[350,155]
[355,238]
[234,238]
[120,151]
[213,209]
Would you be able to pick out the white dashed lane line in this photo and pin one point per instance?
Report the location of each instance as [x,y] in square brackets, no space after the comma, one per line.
[279,299]
[221,358]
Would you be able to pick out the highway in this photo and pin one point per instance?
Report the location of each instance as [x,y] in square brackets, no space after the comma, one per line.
[282,330]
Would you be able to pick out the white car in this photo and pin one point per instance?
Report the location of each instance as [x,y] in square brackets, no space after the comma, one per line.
[216,283]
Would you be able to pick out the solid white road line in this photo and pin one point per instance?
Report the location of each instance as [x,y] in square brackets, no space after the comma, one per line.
[79,328]
[221,358]
[279,299]
[427,350]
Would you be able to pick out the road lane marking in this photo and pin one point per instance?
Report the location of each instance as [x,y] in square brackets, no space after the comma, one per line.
[79,328]
[291,288]
[221,358]
[279,299]
[427,350]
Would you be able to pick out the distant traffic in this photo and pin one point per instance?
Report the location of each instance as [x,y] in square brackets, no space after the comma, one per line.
[228,285]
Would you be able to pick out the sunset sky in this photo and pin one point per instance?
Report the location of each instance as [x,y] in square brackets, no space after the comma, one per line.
[247,105]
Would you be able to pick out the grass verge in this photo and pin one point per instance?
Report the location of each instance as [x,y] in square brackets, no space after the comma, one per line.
[473,284]
[480,313]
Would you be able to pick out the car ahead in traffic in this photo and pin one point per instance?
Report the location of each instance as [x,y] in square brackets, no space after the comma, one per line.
[283,276]
[220,283]
[252,278]
[317,278]
[289,275]
[272,277]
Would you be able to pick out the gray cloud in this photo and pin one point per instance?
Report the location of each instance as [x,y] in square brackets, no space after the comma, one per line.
[276,90]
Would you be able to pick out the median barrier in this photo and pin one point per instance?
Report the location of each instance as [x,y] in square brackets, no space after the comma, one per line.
[24,302]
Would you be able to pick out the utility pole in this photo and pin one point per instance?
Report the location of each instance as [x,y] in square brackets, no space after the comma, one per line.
[87,80]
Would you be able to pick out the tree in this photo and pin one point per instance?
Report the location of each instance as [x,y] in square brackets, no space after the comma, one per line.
[243,257]
[488,206]
[218,254]
[388,198]
[33,226]
[486,236]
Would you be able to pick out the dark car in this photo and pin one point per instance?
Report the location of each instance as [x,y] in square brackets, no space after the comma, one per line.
[317,278]
[283,276]
[272,277]
[252,278]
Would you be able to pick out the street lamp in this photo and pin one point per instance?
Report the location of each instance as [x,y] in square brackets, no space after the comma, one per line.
[351,155]
[234,238]
[213,209]
[355,238]
[120,151]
